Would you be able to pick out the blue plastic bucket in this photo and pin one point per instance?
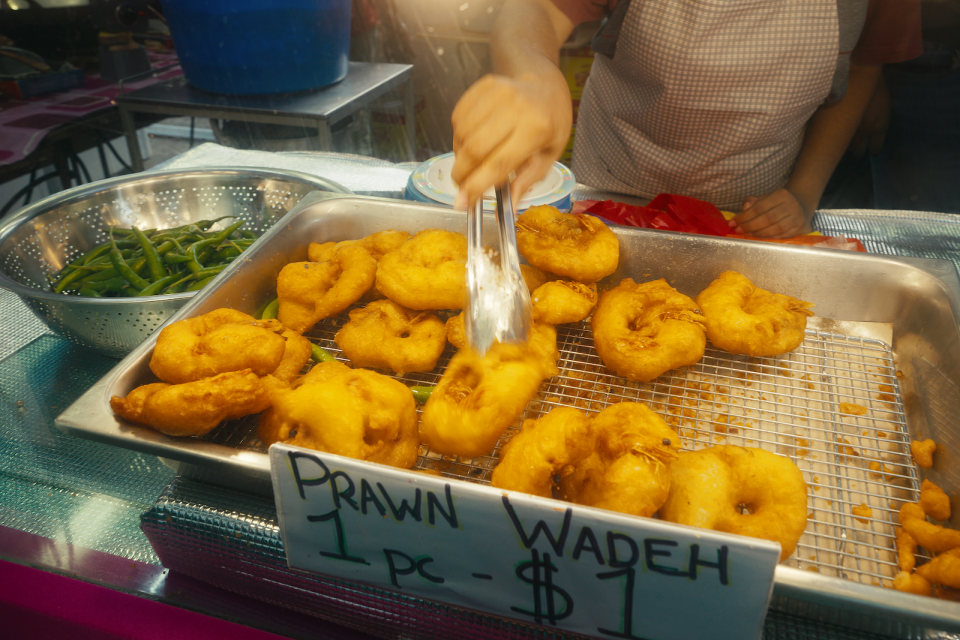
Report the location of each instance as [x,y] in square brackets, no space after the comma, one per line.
[251,47]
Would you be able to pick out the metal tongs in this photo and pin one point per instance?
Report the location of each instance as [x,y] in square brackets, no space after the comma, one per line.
[498,308]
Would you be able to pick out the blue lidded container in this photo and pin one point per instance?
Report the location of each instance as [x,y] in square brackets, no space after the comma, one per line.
[254,47]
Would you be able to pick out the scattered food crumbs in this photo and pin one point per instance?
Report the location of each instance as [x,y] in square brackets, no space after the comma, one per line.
[813,557]
[862,513]
[881,434]
[814,569]
[886,397]
[886,388]
[852,409]
[922,452]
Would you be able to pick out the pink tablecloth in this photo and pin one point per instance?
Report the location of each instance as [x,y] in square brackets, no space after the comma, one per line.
[24,123]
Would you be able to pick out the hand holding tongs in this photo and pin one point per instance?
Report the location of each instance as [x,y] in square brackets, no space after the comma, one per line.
[498,307]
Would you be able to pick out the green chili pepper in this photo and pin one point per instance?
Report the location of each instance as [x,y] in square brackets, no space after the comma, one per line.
[157,271]
[116,258]
[158,285]
[270,311]
[200,284]
[421,394]
[320,355]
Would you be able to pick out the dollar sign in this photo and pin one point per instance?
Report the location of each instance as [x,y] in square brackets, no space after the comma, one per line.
[539,574]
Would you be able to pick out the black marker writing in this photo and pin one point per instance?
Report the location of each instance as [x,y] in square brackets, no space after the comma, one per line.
[412,564]
[341,539]
[539,575]
[557,543]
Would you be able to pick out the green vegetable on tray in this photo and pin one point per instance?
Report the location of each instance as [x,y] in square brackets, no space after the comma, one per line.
[135,263]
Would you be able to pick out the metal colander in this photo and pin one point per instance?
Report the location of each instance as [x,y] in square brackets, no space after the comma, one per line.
[42,238]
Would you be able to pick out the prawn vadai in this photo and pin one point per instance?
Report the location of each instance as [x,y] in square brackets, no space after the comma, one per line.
[643,330]
[709,486]
[349,412]
[311,291]
[545,448]
[931,537]
[457,330]
[385,335]
[478,398]
[563,301]
[428,271]
[578,246]
[377,245]
[629,471]
[295,355]
[217,342]
[193,408]
[744,319]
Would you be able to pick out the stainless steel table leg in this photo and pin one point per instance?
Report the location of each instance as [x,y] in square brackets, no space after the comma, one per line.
[411,125]
[133,145]
[323,132]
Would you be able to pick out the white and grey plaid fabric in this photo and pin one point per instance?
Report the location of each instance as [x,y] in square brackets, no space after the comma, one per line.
[707,98]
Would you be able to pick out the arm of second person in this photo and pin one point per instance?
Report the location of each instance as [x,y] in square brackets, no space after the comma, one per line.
[787,212]
[518,118]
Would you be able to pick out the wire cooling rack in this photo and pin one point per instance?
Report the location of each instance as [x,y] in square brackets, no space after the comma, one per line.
[833,406]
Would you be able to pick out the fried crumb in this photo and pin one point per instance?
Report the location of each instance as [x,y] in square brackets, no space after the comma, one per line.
[862,513]
[852,409]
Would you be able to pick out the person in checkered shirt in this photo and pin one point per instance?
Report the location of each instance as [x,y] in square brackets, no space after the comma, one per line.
[748,104]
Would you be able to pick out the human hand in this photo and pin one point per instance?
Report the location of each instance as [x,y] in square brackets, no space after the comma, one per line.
[503,125]
[780,214]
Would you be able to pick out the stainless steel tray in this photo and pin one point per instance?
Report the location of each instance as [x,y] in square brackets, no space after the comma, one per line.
[908,385]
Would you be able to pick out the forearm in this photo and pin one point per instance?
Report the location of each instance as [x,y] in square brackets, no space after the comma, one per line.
[527,38]
[828,135]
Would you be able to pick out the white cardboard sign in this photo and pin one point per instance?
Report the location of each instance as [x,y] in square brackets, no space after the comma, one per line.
[540,561]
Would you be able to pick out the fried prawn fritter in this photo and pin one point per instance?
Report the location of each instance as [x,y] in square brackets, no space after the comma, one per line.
[906,550]
[563,301]
[532,277]
[931,537]
[428,271]
[629,471]
[385,335]
[911,583]
[268,427]
[642,330]
[708,486]
[193,408]
[377,245]
[349,412]
[216,342]
[457,330]
[295,355]
[743,318]
[580,246]
[311,291]
[544,448]
[478,398]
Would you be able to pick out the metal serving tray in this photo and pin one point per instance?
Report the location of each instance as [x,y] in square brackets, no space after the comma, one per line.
[844,406]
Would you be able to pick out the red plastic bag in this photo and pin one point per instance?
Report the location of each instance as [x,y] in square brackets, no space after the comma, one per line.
[667,212]
[689,215]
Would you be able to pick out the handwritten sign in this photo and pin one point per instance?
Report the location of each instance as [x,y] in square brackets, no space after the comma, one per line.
[540,561]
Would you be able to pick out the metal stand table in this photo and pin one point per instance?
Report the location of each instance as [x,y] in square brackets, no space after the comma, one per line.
[322,108]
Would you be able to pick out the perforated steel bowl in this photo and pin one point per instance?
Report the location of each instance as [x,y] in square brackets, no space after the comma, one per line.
[41,238]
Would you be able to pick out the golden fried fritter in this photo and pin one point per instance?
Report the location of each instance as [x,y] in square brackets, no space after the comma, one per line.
[580,246]
[943,569]
[532,277]
[742,318]
[478,398]
[935,502]
[193,408]
[427,272]
[563,301]
[629,470]
[643,330]
[547,447]
[311,291]
[377,245]
[216,342]
[708,486]
[349,412]
[295,355]
[385,335]
[457,330]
